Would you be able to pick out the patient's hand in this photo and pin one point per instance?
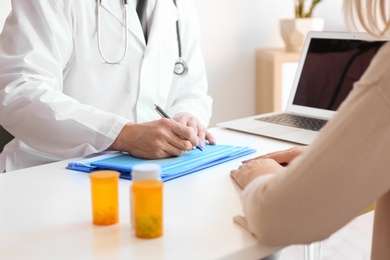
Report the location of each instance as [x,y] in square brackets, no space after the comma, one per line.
[249,171]
[283,157]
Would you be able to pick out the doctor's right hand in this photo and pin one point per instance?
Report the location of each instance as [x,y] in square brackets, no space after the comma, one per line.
[156,139]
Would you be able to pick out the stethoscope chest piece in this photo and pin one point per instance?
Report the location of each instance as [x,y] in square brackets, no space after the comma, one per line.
[180,68]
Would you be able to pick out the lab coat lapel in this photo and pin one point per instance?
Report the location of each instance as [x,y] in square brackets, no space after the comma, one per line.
[164,19]
[115,8]
[158,62]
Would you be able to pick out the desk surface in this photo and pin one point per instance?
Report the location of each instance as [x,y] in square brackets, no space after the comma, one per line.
[45,213]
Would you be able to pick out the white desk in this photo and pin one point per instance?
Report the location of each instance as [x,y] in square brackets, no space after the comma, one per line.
[45,213]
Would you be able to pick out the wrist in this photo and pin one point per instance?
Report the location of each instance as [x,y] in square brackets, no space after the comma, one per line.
[123,137]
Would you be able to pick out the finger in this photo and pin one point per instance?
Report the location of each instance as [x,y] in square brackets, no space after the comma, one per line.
[186,133]
[264,156]
[210,138]
[235,176]
[199,131]
[179,118]
[255,158]
[193,123]
[173,146]
[286,156]
[174,151]
[241,166]
[202,135]
[159,149]
[233,172]
[279,156]
[240,220]
[187,120]
[179,143]
[172,133]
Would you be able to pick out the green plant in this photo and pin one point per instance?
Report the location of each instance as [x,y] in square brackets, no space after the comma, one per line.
[301,10]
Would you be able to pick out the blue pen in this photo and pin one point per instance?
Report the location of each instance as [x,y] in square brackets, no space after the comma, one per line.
[164,115]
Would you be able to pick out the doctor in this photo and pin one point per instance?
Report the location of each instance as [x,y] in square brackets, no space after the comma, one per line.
[63,95]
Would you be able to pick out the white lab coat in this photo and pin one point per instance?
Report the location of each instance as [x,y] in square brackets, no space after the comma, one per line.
[61,101]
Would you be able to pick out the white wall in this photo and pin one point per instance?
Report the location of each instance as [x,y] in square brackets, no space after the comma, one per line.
[232,31]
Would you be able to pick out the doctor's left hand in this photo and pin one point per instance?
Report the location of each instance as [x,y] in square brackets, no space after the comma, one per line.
[192,122]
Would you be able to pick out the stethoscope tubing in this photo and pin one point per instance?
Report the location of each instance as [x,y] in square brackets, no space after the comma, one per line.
[180,67]
[106,60]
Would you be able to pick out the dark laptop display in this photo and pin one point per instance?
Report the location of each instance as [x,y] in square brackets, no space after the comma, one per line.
[331,68]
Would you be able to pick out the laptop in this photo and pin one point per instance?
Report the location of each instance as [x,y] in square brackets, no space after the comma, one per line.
[330,63]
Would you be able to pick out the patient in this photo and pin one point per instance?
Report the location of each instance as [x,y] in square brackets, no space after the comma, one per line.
[330,182]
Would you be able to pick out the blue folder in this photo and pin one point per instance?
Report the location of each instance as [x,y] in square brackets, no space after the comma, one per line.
[171,168]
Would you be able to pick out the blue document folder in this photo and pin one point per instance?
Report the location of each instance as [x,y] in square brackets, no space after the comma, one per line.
[171,168]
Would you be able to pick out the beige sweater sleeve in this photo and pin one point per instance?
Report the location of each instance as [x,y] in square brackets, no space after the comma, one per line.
[339,175]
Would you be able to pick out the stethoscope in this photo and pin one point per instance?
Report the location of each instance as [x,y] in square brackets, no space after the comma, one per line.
[180,67]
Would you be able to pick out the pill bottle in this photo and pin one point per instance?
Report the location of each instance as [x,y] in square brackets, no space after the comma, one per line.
[104,193]
[148,208]
[146,200]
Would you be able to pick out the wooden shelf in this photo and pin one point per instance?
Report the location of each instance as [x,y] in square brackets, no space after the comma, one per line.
[269,64]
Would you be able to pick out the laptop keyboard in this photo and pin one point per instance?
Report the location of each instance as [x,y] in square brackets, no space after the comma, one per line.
[308,123]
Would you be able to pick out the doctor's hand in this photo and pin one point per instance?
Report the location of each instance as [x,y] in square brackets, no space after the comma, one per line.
[283,157]
[249,171]
[156,139]
[192,122]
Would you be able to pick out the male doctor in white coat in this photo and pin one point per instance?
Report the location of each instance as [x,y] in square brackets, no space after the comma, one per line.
[60,99]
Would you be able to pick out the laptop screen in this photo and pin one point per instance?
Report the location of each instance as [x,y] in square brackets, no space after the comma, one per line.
[330,69]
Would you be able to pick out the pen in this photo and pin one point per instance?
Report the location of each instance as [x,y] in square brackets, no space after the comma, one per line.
[164,115]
